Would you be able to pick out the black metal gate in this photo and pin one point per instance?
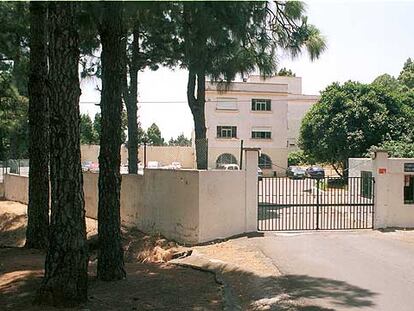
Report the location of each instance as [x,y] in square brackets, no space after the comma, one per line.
[329,203]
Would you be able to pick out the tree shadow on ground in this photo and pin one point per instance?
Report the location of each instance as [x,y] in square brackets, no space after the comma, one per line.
[147,286]
[293,292]
[12,229]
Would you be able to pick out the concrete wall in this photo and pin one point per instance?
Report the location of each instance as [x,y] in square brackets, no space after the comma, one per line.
[189,206]
[16,188]
[163,154]
[168,154]
[390,210]
[356,165]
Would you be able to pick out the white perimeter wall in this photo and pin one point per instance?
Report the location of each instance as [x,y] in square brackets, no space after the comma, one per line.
[390,210]
[189,206]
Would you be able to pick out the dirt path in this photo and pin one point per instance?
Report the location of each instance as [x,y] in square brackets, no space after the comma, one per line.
[148,286]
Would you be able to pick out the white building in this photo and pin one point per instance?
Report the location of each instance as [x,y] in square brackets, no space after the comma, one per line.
[261,113]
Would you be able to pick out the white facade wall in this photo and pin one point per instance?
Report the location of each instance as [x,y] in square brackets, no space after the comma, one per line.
[288,106]
[298,106]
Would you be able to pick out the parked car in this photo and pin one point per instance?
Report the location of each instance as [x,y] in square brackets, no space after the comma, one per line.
[176,165]
[259,173]
[153,164]
[295,172]
[231,167]
[94,167]
[86,165]
[315,172]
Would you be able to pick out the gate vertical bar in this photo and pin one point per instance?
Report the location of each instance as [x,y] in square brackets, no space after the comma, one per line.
[317,204]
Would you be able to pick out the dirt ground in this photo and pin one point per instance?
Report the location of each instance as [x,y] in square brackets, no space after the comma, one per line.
[151,284]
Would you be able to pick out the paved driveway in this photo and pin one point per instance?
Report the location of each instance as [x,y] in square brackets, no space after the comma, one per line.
[360,270]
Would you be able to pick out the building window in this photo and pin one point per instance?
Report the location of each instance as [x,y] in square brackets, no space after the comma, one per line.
[225,158]
[226,103]
[366,184]
[265,162]
[261,105]
[409,189]
[226,131]
[261,134]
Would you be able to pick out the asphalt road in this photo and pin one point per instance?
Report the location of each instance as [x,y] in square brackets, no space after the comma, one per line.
[360,270]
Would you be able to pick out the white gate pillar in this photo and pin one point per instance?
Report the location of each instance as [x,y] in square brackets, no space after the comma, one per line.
[251,160]
[381,175]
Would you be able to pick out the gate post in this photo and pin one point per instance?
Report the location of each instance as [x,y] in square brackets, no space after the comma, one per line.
[317,204]
[251,180]
[381,188]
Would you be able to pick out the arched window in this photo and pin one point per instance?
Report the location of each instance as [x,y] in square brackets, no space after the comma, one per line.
[265,162]
[225,158]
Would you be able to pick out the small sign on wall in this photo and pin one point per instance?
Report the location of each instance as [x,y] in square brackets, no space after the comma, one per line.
[409,167]
[382,170]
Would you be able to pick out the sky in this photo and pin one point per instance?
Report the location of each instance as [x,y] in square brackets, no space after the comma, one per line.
[365,39]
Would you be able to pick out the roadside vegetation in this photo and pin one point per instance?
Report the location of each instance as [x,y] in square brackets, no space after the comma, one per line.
[352,118]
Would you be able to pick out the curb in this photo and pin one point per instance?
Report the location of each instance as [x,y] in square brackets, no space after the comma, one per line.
[202,263]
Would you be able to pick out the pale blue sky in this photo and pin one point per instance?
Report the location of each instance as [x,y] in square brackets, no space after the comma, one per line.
[365,39]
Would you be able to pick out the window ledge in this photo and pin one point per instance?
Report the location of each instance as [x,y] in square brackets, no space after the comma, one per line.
[262,139]
[226,110]
[262,111]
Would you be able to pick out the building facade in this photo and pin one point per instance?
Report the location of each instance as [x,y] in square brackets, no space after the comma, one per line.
[260,113]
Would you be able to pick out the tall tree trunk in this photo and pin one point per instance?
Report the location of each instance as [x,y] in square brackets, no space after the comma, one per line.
[66,268]
[110,257]
[38,208]
[131,101]
[197,106]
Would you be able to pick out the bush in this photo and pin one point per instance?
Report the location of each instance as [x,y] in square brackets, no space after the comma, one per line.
[299,158]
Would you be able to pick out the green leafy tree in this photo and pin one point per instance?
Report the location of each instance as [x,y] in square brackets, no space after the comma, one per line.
[181,140]
[88,135]
[403,148]
[406,76]
[14,42]
[13,119]
[284,72]
[387,81]
[298,157]
[349,119]
[217,43]
[149,44]
[154,135]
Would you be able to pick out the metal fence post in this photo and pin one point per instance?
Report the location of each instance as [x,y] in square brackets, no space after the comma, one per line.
[317,204]
[241,154]
[145,154]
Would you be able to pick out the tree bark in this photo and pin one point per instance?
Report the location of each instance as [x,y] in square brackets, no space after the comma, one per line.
[197,106]
[131,101]
[110,256]
[66,268]
[38,207]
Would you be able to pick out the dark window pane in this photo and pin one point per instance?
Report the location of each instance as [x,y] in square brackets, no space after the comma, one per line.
[409,189]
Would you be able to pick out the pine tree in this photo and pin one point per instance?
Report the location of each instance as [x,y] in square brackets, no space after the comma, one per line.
[110,257]
[66,269]
[38,207]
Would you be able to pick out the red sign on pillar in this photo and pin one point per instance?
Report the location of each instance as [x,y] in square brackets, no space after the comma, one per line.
[382,170]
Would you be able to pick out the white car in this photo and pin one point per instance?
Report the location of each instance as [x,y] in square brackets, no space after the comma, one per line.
[153,164]
[231,167]
[176,165]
